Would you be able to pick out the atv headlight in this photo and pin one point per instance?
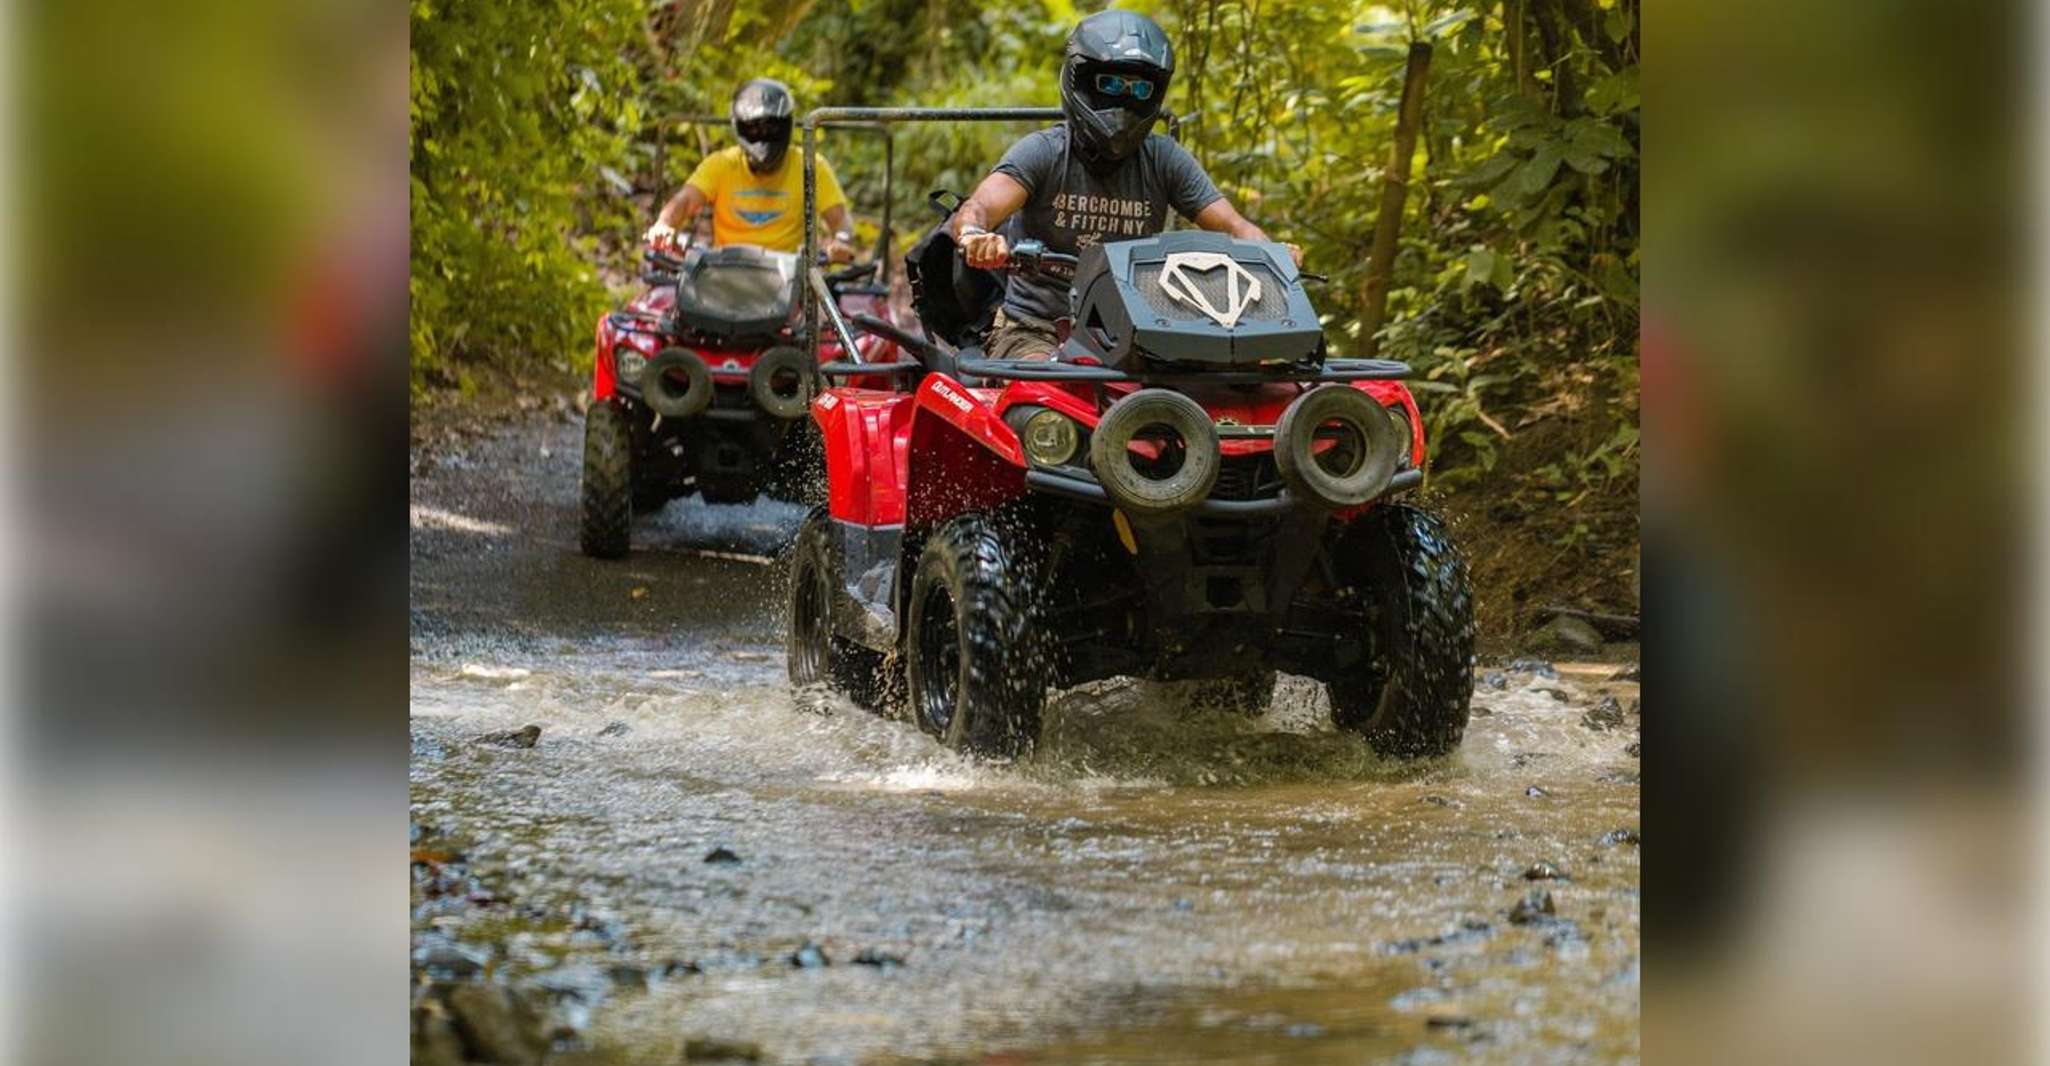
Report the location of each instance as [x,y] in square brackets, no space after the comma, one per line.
[629,363]
[1400,417]
[1050,438]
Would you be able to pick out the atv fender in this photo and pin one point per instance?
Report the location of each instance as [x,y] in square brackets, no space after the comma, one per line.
[632,327]
[604,373]
[1390,393]
[864,434]
[962,457]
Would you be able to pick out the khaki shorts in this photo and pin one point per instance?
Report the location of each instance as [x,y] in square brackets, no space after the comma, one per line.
[1016,338]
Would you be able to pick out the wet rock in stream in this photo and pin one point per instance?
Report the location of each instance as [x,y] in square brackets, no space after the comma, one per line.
[721,856]
[614,729]
[524,737]
[496,1025]
[809,957]
[1604,716]
[712,1049]
[440,956]
[1544,871]
[1566,633]
[1539,667]
[435,1042]
[1621,836]
[1534,907]
[881,960]
[1470,929]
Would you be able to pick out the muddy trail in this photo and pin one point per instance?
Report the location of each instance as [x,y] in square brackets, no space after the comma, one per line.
[685,864]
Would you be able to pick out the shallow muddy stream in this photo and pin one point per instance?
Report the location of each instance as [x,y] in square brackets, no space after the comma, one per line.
[685,854]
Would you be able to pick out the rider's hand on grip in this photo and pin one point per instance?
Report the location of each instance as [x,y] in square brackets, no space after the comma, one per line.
[985,251]
[661,236]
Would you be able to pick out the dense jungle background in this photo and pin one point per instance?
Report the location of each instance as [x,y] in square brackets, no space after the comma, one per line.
[545,134]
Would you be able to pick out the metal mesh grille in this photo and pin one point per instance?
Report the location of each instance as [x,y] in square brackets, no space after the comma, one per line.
[1247,477]
[1272,306]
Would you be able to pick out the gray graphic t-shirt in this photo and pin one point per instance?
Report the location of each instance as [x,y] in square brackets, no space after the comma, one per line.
[1073,210]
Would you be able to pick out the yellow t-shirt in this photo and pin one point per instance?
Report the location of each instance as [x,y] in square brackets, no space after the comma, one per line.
[762,209]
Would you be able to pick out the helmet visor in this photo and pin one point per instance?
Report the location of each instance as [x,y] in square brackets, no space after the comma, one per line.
[764,130]
[1113,86]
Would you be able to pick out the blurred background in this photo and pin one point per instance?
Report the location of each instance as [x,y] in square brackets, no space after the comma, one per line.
[208,241]
[1840,484]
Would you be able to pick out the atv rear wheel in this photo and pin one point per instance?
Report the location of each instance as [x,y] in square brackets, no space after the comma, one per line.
[607,481]
[818,656]
[1410,697]
[977,679]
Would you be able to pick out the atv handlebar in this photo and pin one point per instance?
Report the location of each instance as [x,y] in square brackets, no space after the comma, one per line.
[662,268]
[666,269]
[1031,257]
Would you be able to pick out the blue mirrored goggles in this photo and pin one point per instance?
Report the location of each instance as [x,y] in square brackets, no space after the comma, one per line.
[1119,85]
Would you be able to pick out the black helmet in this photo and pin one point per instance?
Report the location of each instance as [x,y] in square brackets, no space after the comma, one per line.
[1113,80]
[761,119]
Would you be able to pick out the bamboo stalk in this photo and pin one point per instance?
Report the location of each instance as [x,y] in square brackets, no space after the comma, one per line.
[1394,190]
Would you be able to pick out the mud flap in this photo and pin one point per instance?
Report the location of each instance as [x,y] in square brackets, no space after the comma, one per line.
[869,558]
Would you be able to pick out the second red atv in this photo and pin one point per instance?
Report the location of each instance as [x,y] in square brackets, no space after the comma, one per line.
[698,387]
[1189,490]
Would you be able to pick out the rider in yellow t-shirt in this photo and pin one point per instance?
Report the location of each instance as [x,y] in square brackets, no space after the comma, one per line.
[756,188]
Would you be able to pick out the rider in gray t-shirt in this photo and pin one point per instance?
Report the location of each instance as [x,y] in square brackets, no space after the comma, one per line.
[1099,176]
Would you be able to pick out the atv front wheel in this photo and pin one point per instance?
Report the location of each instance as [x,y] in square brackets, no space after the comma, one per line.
[817,655]
[1410,697]
[976,665]
[607,481]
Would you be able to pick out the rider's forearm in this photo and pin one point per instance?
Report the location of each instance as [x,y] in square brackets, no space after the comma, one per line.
[971,217]
[1238,226]
[1222,217]
[838,224]
[682,209]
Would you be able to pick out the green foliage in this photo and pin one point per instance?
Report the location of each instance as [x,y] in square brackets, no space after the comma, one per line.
[515,107]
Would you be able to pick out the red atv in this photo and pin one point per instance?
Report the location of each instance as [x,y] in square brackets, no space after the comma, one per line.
[1190,490]
[698,387]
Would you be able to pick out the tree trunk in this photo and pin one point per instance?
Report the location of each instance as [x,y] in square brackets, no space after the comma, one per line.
[1558,44]
[1513,26]
[1394,190]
